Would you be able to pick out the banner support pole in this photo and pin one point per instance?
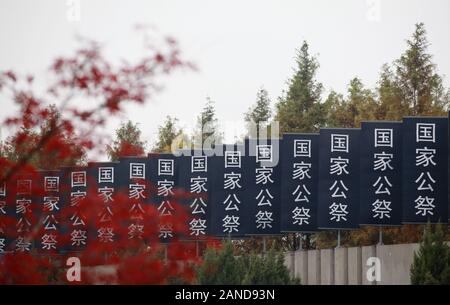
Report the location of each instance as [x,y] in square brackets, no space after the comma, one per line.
[380,236]
[165,253]
[264,245]
[338,239]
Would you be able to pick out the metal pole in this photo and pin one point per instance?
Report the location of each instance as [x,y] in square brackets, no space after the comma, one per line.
[338,239]
[300,245]
[264,245]
[380,236]
[165,252]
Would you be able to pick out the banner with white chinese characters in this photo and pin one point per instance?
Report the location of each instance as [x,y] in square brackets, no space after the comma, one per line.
[380,173]
[338,190]
[231,174]
[264,186]
[194,180]
[5,218]
[73,192]
[299,167]
[132,179]
[26,211]
[384,174]
[425,170]
[48,201]
[163,179]
[103,191]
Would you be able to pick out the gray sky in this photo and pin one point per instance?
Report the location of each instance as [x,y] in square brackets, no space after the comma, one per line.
[237,45]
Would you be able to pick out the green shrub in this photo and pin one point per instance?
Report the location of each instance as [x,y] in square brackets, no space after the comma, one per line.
[431,265]
[266,270]
[222,267]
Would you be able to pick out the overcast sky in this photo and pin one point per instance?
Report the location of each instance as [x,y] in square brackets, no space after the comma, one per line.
[238,46]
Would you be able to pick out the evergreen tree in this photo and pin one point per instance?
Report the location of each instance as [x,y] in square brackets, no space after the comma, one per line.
[299,109]
[417,79]
[392,107]
[20,144]
[167,134]
[259,113]
[268,269]
[207,132]
[23,141]
[360,105]
[431,265]
[220,267]
[411,86]
[47,159]
[336,108]
[127,143]
[361,101]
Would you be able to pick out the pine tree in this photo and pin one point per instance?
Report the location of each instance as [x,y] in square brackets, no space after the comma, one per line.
[410,87]
[127,143]
[268,269]
[431,265]
[20,144]
[220,267]
[360,105]
[299,109]
[258,114]
[47,159]
[207,132]
[167,133]
[416,77]
[392,107]
[335,106]
[25,139]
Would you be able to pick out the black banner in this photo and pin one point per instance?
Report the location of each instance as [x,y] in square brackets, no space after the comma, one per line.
[73,194]
[194,180]
[26,211]
[132,180]
[163,176]
[299,165]
[338,189]
[5,216]
[264,186]
[385,174]
[231,174]
[103,191]
[380,173]
[48,200]
[425,166]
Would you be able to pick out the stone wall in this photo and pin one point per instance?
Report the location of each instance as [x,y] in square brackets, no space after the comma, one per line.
[386,265]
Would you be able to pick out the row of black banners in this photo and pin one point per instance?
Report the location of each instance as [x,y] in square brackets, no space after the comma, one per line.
[384,174]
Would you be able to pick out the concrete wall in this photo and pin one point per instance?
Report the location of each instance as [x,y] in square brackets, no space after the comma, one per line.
[289,261]
[354,260]
[395,262]
[327,266]
[366,254]
[341,266]
[372,265]
[313,268]
[301,265]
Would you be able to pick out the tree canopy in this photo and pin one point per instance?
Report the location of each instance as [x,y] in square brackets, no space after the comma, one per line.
[128,142]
